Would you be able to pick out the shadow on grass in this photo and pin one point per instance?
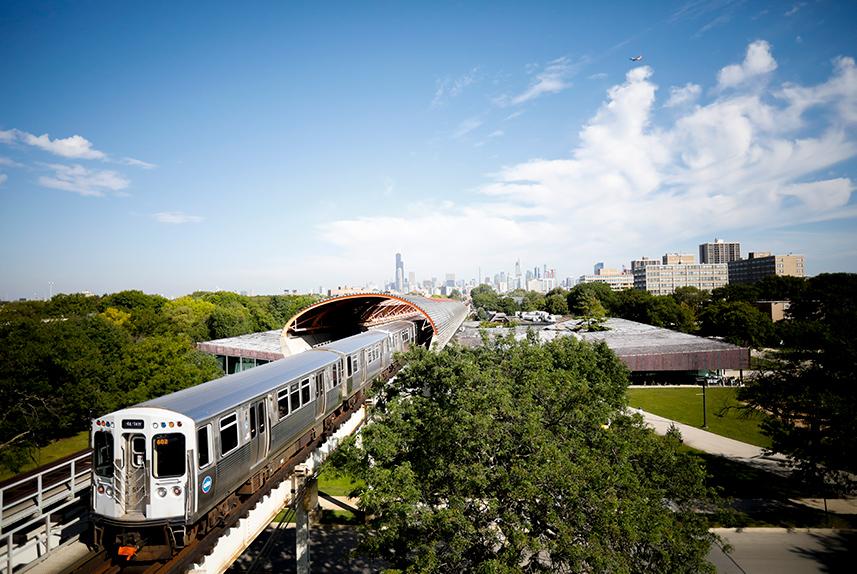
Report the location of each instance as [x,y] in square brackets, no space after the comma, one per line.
[761,498]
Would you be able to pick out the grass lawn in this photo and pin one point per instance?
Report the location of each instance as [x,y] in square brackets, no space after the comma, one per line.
[685,405]
[335,484]
[54,451]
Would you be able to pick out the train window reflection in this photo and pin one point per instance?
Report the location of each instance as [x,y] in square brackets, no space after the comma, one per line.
[203,457]
[168,454]
[283,403]
[103,446]
[228,434]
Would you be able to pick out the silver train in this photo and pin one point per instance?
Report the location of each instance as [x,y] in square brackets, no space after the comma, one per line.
[168,469]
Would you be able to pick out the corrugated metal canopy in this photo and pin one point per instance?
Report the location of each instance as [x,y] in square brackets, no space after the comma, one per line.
[348,314]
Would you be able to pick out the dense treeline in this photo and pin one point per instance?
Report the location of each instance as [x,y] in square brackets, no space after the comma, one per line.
[728,312]
[519,457]
[66,360]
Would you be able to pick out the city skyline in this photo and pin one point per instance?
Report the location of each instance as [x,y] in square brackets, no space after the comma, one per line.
[181,148]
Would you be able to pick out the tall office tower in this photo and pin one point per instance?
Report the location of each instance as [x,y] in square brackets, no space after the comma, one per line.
[400,273]
[412,280]
[518,268]
[450,280]
[719,252]
[598,267]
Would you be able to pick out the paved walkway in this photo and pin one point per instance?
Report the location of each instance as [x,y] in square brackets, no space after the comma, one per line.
[716,444]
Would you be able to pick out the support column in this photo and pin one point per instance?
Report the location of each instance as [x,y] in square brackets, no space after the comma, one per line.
[303,507]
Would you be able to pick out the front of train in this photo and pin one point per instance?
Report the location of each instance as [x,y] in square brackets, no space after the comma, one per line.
[141,476]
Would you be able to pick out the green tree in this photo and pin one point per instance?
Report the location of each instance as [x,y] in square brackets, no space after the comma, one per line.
[160,365]
[230,320]
[556,304]
[484,296]
[579,294]
[519,457]
[592,312]
[188,315]
[738,322]
[692,298]
[812,397]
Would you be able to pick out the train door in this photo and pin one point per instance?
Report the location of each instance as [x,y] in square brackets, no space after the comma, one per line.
[258,434]
[320,395]
[136,477]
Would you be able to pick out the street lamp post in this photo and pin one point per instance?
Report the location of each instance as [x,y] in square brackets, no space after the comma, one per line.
[704,409]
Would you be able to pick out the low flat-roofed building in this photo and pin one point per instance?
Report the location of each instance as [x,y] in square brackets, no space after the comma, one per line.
[652,354]
[759,265]
[665,279]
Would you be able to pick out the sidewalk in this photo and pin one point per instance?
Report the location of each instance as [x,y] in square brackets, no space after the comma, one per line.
[716,444]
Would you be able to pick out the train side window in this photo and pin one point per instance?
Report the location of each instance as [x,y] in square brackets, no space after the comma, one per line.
[228,434]
[203,456]
[350,370]
[252,422]
[355,363]
[283,403]
[295,398]
[304,391]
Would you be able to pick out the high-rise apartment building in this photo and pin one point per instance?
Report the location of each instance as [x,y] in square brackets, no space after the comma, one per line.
[666,278]
[760,264]
[719,252]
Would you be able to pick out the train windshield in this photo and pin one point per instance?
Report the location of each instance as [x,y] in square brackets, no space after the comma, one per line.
[168,455]
[103,446]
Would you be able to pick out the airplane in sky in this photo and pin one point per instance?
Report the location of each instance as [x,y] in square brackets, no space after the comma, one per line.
[636,58]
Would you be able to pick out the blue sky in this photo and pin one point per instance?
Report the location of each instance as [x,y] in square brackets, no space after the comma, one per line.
[172,147]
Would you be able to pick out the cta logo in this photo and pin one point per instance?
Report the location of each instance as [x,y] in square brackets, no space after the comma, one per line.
[206,484]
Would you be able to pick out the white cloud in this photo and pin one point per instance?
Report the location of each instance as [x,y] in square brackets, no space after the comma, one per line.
[137,163]
[9,162]
[598,76]
[554,78]
[633,185]
[795,9]
[76,147]
[449,88]
[757,61]
[466,127]
[78,179]
[72,147]
[681,95]
[176,217]
[3,178]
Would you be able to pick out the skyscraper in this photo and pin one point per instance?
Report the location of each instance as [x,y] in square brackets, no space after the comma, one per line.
[719,252]
[400,273]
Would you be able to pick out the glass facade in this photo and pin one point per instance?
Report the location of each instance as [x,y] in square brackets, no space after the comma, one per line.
[232,365]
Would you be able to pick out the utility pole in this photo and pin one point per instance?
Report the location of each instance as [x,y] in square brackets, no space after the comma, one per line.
[704,409]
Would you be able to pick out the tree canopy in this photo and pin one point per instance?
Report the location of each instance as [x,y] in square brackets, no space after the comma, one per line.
[518,457]
[811,397]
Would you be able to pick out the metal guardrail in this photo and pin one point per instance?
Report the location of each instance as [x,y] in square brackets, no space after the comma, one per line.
[43,510]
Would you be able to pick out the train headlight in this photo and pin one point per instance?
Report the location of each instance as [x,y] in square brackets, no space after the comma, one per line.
[100,489]
[177,490]
[109,491]
[162,492]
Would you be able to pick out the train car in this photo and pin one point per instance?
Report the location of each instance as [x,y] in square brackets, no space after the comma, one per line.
[167,469]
